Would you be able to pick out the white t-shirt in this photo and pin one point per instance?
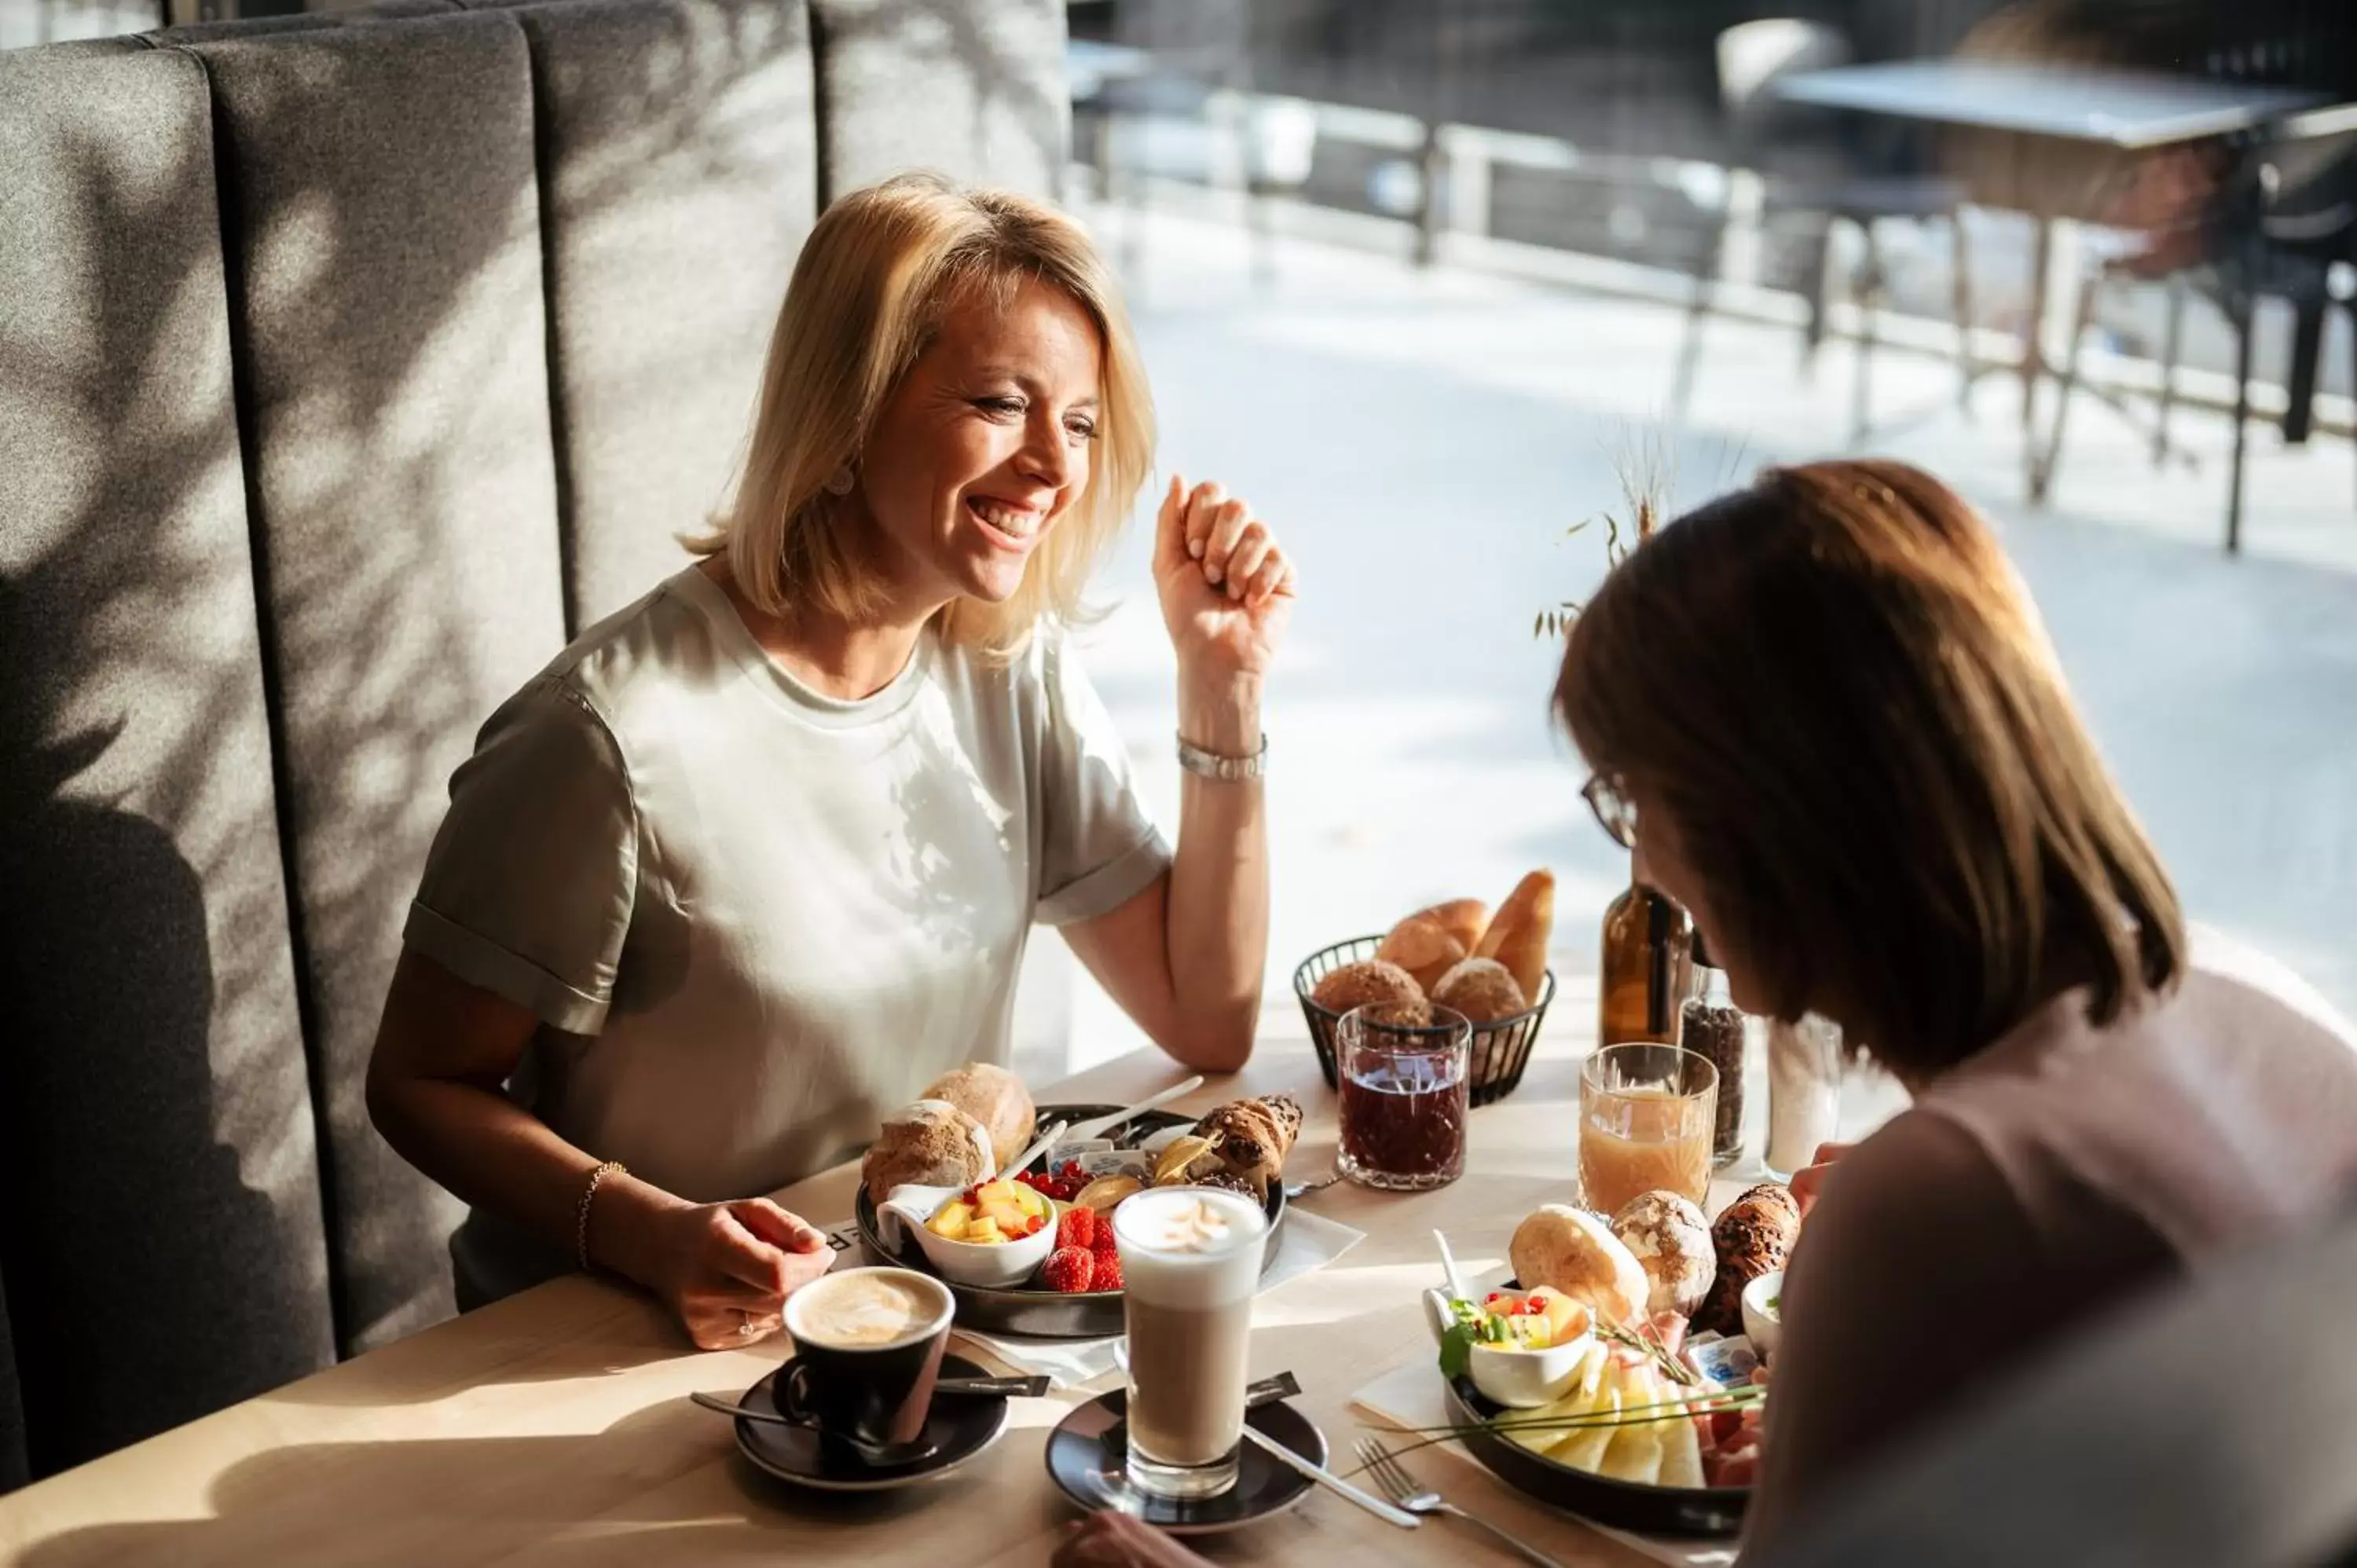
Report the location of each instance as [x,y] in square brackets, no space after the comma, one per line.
[753,918]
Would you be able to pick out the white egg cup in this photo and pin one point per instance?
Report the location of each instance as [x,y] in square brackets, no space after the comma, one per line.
[1517,1378]
[1762,1328]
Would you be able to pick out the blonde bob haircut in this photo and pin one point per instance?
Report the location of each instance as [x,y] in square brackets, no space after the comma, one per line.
[880,270]
[1838,690]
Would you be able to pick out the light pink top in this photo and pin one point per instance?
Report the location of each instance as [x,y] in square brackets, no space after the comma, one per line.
[2034,1185]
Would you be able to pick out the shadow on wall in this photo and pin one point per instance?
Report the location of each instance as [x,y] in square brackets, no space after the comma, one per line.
[152,1280]
[163,1254]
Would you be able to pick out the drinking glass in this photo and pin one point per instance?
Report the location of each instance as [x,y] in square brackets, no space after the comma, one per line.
[1646,1115]
[1190,1258]
[1405,1091]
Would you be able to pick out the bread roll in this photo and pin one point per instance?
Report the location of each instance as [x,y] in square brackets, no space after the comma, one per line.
[1753,1237]
[1518,937]
[1372,981]
[1571,1251]
[930,1143]
[1671,1241]
[994,1097]
[1464,919]
[1482,990]
[1423,947]
[1255,1136]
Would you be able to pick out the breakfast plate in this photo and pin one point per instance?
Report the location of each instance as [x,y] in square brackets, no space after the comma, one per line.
[1514,1433]
[1028,1309]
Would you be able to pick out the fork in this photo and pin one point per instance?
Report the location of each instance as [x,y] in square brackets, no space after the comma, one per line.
[1402,1488]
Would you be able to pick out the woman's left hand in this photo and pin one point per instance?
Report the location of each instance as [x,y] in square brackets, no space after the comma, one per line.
[1226,587]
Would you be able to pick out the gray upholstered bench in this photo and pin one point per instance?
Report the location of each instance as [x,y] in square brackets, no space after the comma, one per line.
[347,366]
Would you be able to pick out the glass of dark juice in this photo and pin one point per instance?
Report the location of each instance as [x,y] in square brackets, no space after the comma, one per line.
[1404,1086]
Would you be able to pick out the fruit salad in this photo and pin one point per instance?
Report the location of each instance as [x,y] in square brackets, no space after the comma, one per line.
[994,1211]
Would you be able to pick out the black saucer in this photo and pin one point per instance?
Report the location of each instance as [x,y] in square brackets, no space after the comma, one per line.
[959,1426]
[1086,1452]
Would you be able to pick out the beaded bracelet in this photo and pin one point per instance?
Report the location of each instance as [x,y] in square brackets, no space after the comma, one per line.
[581,1221]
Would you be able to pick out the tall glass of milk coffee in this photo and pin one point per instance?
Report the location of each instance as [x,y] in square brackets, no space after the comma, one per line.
[1190,1257]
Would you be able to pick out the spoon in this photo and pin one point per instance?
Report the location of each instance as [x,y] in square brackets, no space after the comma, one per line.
[1449,1267]
[1099,1126]
[997,1388]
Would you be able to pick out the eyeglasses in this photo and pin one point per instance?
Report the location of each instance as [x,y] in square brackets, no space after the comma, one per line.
[1615,813]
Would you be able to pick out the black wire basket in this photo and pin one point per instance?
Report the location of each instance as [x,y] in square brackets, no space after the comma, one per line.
[1499,1052]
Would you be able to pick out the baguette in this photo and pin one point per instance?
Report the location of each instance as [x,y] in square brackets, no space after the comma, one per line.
[1518,937]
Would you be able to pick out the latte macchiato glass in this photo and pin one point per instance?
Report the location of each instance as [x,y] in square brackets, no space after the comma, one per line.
[1190,1258]
[868,1351]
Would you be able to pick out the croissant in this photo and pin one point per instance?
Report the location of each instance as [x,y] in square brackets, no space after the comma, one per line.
[1255,1136]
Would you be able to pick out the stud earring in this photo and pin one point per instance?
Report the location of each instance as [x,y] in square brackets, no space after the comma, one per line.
[839,482]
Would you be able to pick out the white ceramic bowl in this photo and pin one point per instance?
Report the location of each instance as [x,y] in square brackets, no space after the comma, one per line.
[985,1265]
[1519,1379]
[988,1265]
[1763,1327]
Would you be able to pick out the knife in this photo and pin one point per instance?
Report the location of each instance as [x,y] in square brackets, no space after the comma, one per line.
[1329,1480]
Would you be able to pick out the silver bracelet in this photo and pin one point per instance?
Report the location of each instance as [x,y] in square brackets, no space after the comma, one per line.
[1226,769]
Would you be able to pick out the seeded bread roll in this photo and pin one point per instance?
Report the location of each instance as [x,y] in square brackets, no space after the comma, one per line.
[1671,1240]
[1373,980]
[994,1097]
[928,1144]
[1481,989]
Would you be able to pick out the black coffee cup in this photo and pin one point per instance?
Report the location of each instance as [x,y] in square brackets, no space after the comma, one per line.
[849,1381]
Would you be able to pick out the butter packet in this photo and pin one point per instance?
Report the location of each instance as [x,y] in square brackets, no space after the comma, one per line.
[1728,1362]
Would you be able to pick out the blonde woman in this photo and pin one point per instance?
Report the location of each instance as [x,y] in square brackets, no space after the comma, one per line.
[756,858]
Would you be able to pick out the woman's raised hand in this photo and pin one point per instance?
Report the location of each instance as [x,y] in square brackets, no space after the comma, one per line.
[726,1268]
[1226,586]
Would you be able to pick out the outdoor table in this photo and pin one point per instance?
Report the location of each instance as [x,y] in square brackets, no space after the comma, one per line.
[2090,106]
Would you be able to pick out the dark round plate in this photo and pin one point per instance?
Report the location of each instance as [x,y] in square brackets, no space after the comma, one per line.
[1087,1450]
[1654,1510]
[1042,1313]
[959,1426]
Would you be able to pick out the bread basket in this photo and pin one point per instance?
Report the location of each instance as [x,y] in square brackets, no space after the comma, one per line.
[1499,1051]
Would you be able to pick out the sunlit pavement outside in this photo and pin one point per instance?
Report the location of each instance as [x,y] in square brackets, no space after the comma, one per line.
[1423,440]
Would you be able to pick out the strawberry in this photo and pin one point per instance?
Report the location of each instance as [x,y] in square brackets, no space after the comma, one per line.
[1106,1275]
[1076,1228]
[1067,1269]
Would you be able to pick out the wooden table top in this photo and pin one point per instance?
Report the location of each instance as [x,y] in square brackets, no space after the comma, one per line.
[555,1426]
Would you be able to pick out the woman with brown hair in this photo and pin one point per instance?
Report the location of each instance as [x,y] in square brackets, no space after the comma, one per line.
[1825,715]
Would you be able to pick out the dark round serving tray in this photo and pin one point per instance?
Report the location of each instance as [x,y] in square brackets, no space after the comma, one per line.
[1625,1505]
[1038,1314]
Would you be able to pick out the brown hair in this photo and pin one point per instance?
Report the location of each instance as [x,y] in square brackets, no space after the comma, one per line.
[1837,689]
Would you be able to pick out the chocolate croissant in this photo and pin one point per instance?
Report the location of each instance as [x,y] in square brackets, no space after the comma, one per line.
[1253,1137]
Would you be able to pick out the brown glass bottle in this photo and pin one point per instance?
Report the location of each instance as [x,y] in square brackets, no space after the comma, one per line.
[1644,971]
